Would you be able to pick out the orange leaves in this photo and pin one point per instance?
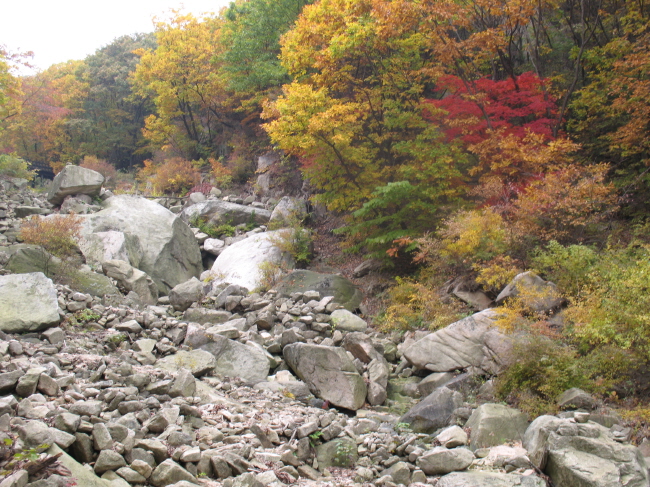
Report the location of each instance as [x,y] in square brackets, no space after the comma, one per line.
[175,175]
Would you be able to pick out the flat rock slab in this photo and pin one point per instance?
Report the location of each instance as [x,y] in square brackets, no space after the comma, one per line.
[471,342]
[329,373]
[489,479]
[234,359]
[495,424]
[28,302]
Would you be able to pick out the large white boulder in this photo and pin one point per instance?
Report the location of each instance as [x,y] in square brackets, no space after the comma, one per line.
[154,240]
[243,263]
[28,302]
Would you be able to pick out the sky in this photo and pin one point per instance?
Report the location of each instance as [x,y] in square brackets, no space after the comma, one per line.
[62,30]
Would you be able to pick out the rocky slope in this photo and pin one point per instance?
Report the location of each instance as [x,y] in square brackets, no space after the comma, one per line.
[179,381]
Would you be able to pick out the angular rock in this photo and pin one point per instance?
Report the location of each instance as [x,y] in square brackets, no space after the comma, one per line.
[131,279]
[452,437]
[329,373]
[199,362]
[576,399]
[169,472]
[289,209]
[74,180]
[489,479]
[494,424]
[536,293]
[219,212]
[108,460]
[242,263]
[471,342]
[434,411]
[344,320]
[441,460]
[28,302]
[183,295]
[157,241]
[341,452]
[235,359]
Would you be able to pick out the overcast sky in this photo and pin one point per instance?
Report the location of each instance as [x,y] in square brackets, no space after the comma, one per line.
[61,30]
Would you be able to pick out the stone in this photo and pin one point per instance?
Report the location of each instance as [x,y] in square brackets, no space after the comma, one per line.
[157,242]
[183,385]
[289,210]
[471,342]
[28,302]
[168,473]
[131,279]
[74,180]
[344,292]
[341,452]
[234,359]
[214,246]
[36,434]
[489,479]
[432,381]
[452,437]
[8,380]
[434,411]
[54,335]
[83,476]
[199,362]
[576,399]
[441,460]
[219,212]
[242,263]
[494,424]
[400,473]
[328,372]
[536,293]
[108,460]
[344,320]
[183,295]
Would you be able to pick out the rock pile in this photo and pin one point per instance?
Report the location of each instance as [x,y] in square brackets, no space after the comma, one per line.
[215,385]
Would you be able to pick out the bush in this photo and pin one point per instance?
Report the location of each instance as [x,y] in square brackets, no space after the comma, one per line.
[173,176]
[12,166]
[102,167]
[55,234]
[297,242]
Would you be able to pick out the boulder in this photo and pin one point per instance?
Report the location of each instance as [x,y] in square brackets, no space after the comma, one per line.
[131,279]
[434,412]
[288,210]
[536,293]
[28,302]
[344,320]
[199,362]
[583,455]
[341,452]
[183,295]
[575,398]
[25,258]
[235,359]
[329,373]
[494,424]
[82,475]
[242,263]
[157,241]
[345,293]
[74,180]
[471,342]
[441,460]
[490,479]
[219,212]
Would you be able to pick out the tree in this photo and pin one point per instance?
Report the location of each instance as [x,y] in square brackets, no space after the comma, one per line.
[180,76]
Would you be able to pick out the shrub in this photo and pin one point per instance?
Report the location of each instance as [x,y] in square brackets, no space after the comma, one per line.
[12,166]
[201,188]
[297,242]
[103,167]
[221,174]
[55,234]
[175,175]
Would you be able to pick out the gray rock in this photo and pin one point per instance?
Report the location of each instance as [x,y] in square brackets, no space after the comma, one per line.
[471,342]
[289,209]
[219,212]
[432,381]
[157,241]
[400,473]
[74,180]
[37,435]
[131,279]
[242,263]
[183,385]
[344,320]
[169,472]
[441,460]
[83,476]
[345,293]
[489,479]
[576,399]
[536,293]
[8,380]
[199,362]
[494,424]
[341,452]
[28,302]
[329,373]
[108,460]
[235,359]
[434,411]
[452,437]
[183,295]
